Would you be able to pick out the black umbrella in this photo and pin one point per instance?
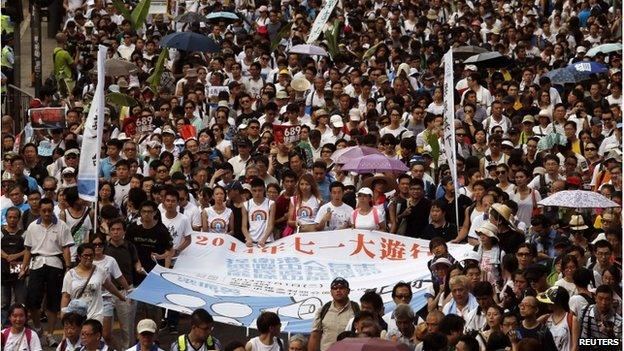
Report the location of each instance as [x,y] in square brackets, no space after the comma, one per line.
[189,41]
[464,52]
[191,17]
[492,59]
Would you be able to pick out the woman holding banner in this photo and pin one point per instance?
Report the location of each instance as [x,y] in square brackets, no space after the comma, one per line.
[218,217]
[365,215]
[304,205]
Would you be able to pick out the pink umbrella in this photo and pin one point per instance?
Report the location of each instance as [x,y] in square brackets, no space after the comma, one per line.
[343,156]
[367,344]
[375,164]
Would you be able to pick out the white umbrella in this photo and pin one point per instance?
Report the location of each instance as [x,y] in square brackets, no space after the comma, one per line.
[307,49]
[578,199]
[604,48]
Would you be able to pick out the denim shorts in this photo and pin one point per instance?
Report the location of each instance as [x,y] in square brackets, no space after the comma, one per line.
[109,307]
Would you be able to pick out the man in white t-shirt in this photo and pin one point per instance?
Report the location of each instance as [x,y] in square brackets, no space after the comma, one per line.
[334,214]
[188,208]
[178,224]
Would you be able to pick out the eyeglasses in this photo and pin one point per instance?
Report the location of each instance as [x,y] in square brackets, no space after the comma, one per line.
[86,255]
[98,244]
[523,254]
[164,108]
[403,297]
[49,189]
[501,172]
[161,171]
[590,149]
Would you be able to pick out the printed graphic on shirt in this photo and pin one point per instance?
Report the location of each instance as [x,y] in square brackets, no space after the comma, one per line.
[259,215]
[218,225]
[305,213]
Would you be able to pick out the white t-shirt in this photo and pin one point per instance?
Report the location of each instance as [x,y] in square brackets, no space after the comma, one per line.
[121,193]
[577,304]
[395,132]
[111,267]
[134,348]
[340,215]
[257,345]
[218,222]
[561,332]
[178,226]
[306,210]
[80,235]
[258,218]
[92,295]
[18,342]
[193,213]
[570,287]
[366,221]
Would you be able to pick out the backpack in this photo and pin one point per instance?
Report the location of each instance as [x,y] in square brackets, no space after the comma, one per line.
[354,306]
[7,331]
[543,186]
[590,300]
[588,321]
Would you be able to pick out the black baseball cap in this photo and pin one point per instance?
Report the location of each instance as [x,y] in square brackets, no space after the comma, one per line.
[340,281]
[235,186]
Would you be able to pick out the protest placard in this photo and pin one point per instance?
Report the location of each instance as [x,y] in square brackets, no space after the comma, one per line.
[47,117]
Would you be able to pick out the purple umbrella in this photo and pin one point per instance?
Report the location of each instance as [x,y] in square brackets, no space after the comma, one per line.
[375,164]
[347,154]
[367,344]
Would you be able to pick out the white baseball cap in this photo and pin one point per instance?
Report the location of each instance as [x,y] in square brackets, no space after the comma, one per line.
[336,121]
[146,325]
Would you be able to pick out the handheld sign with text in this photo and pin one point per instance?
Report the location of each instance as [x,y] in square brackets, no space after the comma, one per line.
[215,90]
[145,124]
[47,117]
[286,134]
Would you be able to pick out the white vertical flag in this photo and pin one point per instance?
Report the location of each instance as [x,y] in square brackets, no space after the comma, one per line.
[450,147]
[320,20]
[89,167]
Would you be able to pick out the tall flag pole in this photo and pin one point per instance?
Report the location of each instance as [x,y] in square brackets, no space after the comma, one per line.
[88,169]
[450,147]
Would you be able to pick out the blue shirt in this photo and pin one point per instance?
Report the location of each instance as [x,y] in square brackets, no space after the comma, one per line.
[548,242]
[106,168]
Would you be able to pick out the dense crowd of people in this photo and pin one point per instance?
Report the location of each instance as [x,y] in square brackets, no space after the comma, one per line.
[202,147]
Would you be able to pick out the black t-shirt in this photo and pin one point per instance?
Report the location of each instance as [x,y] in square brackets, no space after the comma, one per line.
[147,241]
[449,208]
[237,212]
[447,232]
[126,256]
[510,240]
[11,244]
[418,218]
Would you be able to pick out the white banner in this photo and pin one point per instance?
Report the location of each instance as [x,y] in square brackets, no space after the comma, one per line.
[450,144]
[291,276]
[89,167]
[320,20]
